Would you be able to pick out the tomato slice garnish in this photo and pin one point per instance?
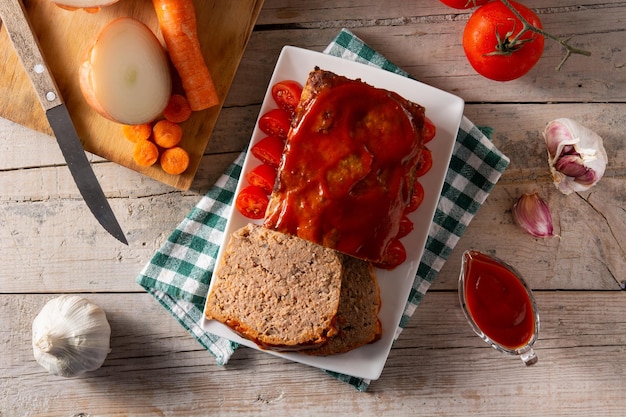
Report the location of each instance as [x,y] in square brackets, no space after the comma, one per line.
[263,176]
[416,198]
[287,94]
[425,163]
[252,202]
[395,254]
[406,227]
[269,150]
[275,122]
[430,130]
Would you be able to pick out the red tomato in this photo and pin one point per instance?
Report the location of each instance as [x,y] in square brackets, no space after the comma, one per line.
[489,46]
[252,202]
[269,150]
[275,122]
[263,176]
[464,4]
[395,254]
[430,130]
[287,94]
[416,198]
[425,163]
[406,227]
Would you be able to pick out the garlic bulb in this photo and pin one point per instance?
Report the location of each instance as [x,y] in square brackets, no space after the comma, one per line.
[71,336]
[576,155]
[533,215]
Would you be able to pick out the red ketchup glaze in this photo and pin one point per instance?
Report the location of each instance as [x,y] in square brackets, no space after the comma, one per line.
[344,182]
[497,301]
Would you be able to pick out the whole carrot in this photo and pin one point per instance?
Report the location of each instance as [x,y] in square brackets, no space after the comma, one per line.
[177,109]
[177,20]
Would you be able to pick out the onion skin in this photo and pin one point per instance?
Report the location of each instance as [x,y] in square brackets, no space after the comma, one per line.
[104,80]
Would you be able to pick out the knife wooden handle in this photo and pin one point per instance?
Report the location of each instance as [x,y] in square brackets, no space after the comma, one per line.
[20,32]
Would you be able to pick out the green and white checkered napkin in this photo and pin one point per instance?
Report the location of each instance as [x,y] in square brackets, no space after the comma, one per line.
[178,275]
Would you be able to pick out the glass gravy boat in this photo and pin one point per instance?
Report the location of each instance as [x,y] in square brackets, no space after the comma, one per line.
[499,305]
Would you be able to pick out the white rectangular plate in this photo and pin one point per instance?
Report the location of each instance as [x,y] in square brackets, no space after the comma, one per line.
[445,110]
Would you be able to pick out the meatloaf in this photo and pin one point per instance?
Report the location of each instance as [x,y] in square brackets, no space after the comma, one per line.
[278,290]
[347,172]
[359,304]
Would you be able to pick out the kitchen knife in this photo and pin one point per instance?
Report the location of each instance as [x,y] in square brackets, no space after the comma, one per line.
[20,32]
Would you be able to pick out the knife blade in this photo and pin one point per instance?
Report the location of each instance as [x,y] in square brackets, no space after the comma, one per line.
[19,29]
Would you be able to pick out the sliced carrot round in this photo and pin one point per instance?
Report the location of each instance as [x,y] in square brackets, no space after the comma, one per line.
[167,134]
[174,160]
[145,153]
[135,133]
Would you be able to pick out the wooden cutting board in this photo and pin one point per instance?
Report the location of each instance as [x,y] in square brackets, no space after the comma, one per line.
[224,28]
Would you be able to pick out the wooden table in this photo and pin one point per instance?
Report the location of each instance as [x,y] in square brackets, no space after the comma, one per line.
[51,244]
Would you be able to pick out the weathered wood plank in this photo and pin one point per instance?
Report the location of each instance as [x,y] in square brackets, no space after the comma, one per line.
[438,364]
[52,244]
[35,202]
[430,49]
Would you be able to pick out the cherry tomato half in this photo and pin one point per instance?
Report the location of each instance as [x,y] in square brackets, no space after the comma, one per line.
[287,94]
[416,198]
[430,130]
[269,150]
[406,227]
[275,122]
[395,254]
[464,4]
[252,202]
[263,176]
[425,163]
[494,24]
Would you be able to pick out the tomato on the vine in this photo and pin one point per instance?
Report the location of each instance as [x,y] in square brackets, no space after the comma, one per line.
[464,4]
[490,43]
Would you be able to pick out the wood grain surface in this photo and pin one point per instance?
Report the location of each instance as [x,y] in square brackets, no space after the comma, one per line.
[65,36]
[50,243]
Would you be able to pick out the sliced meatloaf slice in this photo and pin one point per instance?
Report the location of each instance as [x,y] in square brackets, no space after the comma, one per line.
[359,305]
[278,290]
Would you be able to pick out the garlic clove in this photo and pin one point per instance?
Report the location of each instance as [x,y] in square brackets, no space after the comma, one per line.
[71,336]
[533,215]
[571,165]
[576,155]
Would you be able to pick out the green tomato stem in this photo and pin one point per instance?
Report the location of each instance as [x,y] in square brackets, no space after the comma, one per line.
[569,49]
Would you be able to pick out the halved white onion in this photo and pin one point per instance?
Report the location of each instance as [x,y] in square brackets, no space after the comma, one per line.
[125,75]
[84,4]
